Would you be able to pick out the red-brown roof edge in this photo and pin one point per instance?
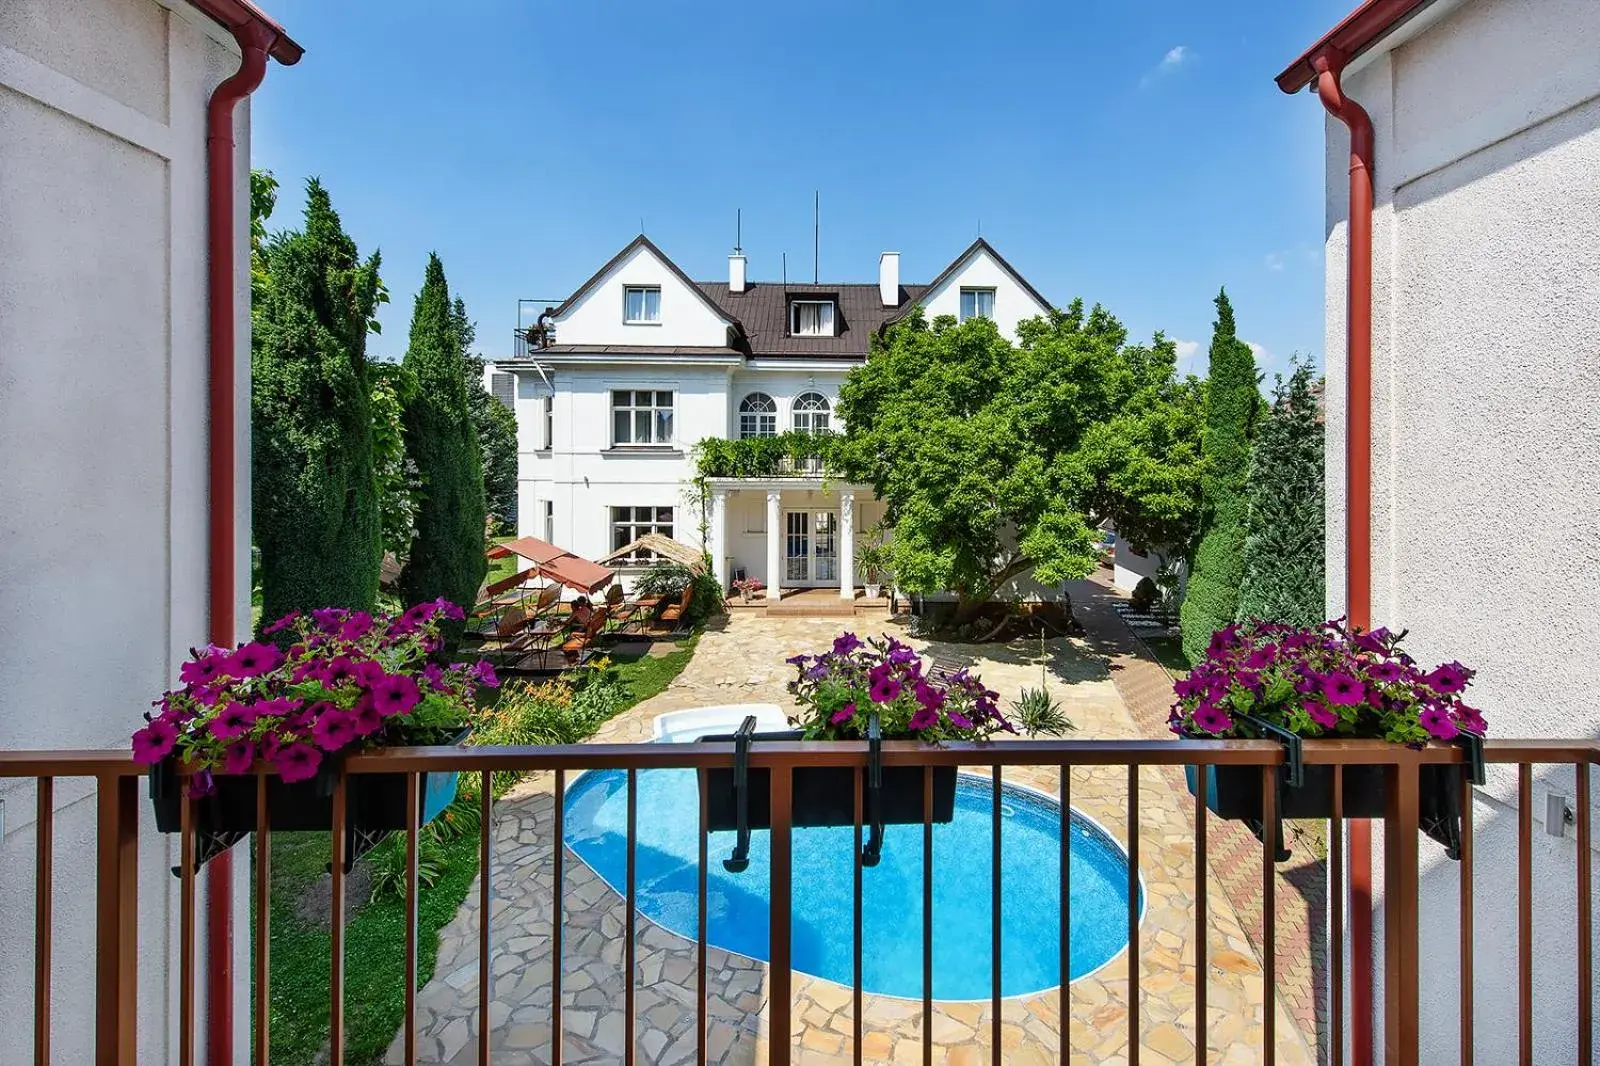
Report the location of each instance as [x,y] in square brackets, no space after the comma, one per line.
[235,13]
[1360,30]
[641,241]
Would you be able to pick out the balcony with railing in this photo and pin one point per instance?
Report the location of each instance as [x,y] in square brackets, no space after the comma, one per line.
[796,454]
[580,951]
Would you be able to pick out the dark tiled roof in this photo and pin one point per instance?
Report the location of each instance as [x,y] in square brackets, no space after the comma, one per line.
[763,310]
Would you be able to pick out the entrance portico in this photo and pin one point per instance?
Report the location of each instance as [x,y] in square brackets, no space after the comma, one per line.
[790,533]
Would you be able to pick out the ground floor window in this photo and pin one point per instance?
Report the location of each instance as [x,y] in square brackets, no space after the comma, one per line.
[549,521]
[628,524]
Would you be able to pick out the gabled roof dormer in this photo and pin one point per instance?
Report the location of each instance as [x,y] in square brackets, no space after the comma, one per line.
[979,282]
[642,299]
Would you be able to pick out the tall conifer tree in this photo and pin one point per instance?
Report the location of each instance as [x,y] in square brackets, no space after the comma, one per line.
[1284,579]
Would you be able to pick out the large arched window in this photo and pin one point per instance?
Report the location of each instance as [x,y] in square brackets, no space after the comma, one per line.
[811,412]
[758,416]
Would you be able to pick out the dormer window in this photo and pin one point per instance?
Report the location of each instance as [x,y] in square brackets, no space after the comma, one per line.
[811,318]
[641,305]
[977,303]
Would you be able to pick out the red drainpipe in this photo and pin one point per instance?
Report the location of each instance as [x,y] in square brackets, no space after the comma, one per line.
[255,40]
[1329,64]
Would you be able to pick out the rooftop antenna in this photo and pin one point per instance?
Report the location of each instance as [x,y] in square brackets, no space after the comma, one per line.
[816,235]
[641,225]
[738,230]
[786,268]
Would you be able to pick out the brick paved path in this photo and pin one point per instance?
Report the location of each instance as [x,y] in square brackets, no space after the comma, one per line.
[1235,854]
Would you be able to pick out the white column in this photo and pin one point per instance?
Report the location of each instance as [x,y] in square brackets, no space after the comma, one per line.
[719,537]
[847,545]
[774,547]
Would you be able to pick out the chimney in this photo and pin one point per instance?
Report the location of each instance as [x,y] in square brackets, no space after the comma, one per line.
[889,279]
[736,282]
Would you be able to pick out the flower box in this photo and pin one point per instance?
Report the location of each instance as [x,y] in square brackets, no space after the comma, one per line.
[825,795]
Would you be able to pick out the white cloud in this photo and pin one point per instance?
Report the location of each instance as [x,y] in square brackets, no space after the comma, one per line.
[1263,356]
[1274,260]
[1176,56]
[1186,354]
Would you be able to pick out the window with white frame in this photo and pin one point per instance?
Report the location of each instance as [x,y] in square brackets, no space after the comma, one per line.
[549,422]
[811,412]
[641,418]
[758,416]
[628,524]
[811,318]
[977,303]
[550,521]
[641,305]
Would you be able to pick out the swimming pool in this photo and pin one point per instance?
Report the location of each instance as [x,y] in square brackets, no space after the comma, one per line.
[737,904]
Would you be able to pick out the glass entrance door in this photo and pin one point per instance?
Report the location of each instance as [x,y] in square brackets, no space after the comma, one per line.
[797,548]
[825,548]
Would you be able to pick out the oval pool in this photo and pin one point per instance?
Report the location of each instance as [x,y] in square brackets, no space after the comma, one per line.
[737,904]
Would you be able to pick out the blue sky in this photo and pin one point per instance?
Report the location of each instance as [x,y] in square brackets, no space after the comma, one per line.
[1137,153]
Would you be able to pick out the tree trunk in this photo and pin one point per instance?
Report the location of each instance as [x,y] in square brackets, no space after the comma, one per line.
[969,604]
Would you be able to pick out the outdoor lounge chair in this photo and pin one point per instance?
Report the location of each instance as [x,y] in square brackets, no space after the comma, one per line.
[573,648]
[624,613]
[677,614]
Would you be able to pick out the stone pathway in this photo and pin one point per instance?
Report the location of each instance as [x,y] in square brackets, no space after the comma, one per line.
[743,662]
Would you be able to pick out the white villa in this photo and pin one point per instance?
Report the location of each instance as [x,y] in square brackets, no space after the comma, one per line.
[649,363]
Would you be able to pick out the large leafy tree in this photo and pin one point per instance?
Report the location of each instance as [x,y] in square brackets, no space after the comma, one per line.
[1284,580]
[995,459]
[1233,399]
[314,494]
[446,557]
[496,427]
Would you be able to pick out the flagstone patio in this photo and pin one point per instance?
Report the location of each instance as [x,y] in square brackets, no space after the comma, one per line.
[743,661]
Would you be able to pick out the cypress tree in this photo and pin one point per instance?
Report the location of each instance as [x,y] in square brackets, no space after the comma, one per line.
[447,553]
[496,427]
[1232,399]
[313,490]
[1284,549]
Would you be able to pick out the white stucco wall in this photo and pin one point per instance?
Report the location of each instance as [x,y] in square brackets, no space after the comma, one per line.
[980,270]
[103,438]
[1486,452]
[686,317]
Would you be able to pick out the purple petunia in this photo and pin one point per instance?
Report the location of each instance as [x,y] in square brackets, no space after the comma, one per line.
[1438,723]
[483,673]
[154,742]
[255,659]
[843,714]
[885,689]
[232,722]
[297,762]
[1343,689]
[238,757]
[1449,678]
[845,643]
[281,624]
[334,729]
[1321,713]
[923,719]
[204,668]
[395,694]
[1386,672]
[367,719]
[1212,719]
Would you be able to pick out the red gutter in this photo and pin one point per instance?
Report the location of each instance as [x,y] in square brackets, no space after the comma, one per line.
[258,37]
[1360,30]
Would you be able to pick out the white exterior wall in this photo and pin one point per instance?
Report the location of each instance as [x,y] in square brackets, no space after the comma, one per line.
[103,446]
[1012,302]
[686,318]
[1486,453]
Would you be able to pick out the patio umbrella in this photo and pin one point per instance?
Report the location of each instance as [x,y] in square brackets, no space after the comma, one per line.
[561,566]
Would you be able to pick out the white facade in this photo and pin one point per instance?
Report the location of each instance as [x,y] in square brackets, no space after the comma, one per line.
[696,363]
[103,455]
[1486,440]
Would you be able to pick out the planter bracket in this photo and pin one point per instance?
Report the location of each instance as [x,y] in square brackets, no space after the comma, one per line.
[739,861]
[873,851]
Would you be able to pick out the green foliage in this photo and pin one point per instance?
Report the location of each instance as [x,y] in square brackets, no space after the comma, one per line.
[497,442]
[461,818]
[872,557]
[447,553]
[1284,579]
[1145,595]
[669,579]
[315,505]
[386,863]
[392,387]
[994,458]
[1037,714]
[793,453]
[263,198]
[1232,402]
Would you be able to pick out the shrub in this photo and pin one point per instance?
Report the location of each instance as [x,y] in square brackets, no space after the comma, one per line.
[387,864]
[529,713]
[462,818]
[668,580]
[1145,595]
[1284,577]
[1040,714]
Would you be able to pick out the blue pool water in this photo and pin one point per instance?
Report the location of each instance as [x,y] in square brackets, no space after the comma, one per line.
[737,904]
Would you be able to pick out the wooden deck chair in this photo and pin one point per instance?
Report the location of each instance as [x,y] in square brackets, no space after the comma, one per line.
[573,648]
[677,614]
[624,614]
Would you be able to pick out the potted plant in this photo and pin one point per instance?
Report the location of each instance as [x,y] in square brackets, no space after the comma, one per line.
[747,587]
[342,681]
[853,690]
[872,560]
[1302,683]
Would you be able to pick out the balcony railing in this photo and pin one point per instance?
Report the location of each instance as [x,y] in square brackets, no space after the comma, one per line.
[793,454]
[117,963]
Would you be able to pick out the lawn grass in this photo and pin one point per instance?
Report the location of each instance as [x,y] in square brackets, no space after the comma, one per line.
[375,932]
[504,566]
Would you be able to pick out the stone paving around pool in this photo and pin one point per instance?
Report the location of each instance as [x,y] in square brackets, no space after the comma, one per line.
[743,662]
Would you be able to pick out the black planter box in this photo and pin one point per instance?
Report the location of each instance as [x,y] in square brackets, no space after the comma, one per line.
[825,795]
[375,804]
[1234,792]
